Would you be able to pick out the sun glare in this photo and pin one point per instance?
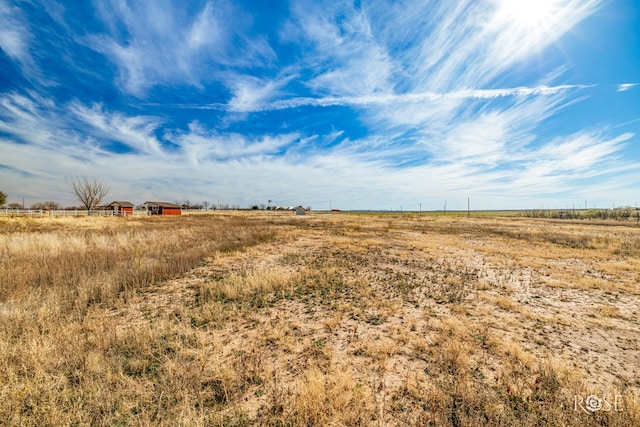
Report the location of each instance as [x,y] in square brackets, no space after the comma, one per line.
[529,13]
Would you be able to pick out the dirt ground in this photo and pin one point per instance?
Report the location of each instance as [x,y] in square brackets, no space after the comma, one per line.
[386,302]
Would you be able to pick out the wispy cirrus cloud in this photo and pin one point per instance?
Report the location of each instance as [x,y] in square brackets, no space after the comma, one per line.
[517,35]
[202,146]
[401,48]
[14,33]
[255,95]
[385,99]
[473,43]
[340,49]
[156,42]
[16,39]
[626,86]
[137,132]
[251,94]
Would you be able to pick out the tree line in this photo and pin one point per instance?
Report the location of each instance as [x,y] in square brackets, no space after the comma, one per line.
[91,192]
[618,214]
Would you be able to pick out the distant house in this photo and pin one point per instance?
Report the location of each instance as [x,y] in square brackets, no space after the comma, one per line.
[300,210]
[163,208]
[121,208]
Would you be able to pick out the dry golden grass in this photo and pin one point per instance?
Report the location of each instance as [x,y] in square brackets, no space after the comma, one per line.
[269,319]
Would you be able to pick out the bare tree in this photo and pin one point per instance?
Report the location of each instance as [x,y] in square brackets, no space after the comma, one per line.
[89,192]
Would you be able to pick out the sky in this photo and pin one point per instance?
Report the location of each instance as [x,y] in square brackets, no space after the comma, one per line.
[389,105]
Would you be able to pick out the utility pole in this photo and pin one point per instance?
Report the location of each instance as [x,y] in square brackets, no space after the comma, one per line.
[468,206]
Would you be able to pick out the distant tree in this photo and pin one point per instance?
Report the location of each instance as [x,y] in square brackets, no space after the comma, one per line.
[206,205]
[89,192]
[14,205]
[188,205]
[49,205]
[3,198]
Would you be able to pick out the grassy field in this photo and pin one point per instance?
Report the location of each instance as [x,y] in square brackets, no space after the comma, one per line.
[264,318]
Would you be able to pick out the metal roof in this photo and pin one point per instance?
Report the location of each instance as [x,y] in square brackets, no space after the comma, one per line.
[163,204]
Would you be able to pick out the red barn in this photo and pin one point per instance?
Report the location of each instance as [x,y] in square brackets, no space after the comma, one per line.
[121,208]
[163,208]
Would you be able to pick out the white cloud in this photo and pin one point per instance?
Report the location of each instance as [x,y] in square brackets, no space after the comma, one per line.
[252,95]
[162,45]
[14,34]
[202,146]
[626,86]
[519,37]
[136,132]
[340,49]
[16,40]
[437,47]
[581,153]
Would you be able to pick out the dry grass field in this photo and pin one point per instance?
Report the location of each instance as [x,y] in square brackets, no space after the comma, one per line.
[236,319]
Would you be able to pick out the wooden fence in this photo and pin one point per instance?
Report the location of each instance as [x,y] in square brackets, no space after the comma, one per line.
[42,213]
[63,212]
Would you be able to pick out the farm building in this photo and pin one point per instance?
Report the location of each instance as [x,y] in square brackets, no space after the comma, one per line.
[121,208]
[163,208]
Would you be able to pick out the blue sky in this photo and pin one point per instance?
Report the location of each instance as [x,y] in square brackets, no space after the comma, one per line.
[350,105]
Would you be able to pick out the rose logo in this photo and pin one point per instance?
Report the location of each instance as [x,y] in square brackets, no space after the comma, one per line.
[593,403]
